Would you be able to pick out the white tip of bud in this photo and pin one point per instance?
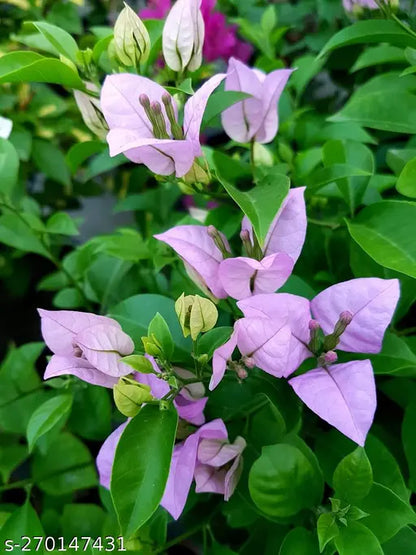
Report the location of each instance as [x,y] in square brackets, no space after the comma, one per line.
[131,39]
[183,36]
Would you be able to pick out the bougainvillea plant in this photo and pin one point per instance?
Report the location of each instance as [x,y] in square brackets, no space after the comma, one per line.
[226,225]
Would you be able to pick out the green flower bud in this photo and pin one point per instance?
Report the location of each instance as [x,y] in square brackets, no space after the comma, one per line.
[152,346]
[129,396]
[131,39]
[197,174]
[196,314]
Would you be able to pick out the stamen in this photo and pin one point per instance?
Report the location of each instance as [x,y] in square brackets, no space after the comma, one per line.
[175,128]
[218,240]
[159,120]
[247,244]
[145,102]
[315,340]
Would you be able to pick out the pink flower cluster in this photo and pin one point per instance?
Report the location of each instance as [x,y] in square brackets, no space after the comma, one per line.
[221,40]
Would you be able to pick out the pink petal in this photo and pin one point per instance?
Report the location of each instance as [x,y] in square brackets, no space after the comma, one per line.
[294,311]
[161,156]
[371,301]
[220,359]
[242,120]
[120,102]
[217,452]
[266,342]
[105,457]
[191,411]
[233,474]
[288,230]
[60,326]
[195,108]
[102,346]
[344,396]
[272,88]
[242,277]
[79,367]
[193,244]
[208,479]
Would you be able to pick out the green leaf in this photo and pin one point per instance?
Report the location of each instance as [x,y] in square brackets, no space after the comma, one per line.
[61,223]
[356,538]
[69,297]
[9,166]
[79,152]
[15,233]
[353,477]
[141,466]
[403,542]
[386,231]
[220,101]
[11,456]
[395,357]
[82,519]
[23,522]
[327,529]
[406,183]
[47,416]
[58,38]
[387,512]
[334,173]
[364,32]
[299,541]
[91,413]
[159,328]
[66,467]
[50,160]
[408,438]
[17,67]
[282,481]
[213,339]
[261,203]
[376,55]
[136,313]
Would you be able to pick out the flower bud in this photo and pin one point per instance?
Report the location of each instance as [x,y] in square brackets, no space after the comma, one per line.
[249,362]
[329,357]
[315,339]
[197,174]
[196,314]
[345,319]
[131,39]
[152,346]
[183,36]
[91,113]
[129,396]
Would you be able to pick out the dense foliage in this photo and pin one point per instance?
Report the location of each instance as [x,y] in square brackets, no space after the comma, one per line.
[212,206]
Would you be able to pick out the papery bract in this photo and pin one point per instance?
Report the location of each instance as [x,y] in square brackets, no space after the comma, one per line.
[254,118]
[200,253]
[131,130]
[343,394]
[183,36]
[85,345]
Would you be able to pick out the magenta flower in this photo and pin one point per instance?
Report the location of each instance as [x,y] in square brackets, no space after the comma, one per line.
[353,315]
[256,117]
[207,257]
[85,345]
[143,121]
[207,457]
[215,26]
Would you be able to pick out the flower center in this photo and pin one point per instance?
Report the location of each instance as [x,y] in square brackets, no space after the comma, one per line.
[157,119]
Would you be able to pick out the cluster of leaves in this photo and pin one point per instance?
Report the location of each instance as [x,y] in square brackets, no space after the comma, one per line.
[346,133]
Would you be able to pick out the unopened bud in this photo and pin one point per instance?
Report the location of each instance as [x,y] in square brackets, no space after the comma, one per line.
[242,373]
[91,113]
[314,337]
[249,362]
[144,101]
[131,39]
[327,358]
[345,319]
[129,396]
[196,175]
[196,314]
[152,346]
[218,239]
[156,107]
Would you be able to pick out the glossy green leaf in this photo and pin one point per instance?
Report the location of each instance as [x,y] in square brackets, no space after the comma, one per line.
[47,416]
[299,541]
[11,456]
[82,519]
[58,38]
[23,522]
[220,101]
[61,223]
[395,357]
[16,67]
[66,467]
[9,166]
[327,529]
[386,232]
[80,152]
[353,477]
[387,512]
[356,538]
[15,233]
[403,542]
[141,466]
[213,339]
[282,481]
[159,328]
[370,31]
[334,173]
[406,183]
[50,160]
[91,413]
[409,445]
[376,55]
